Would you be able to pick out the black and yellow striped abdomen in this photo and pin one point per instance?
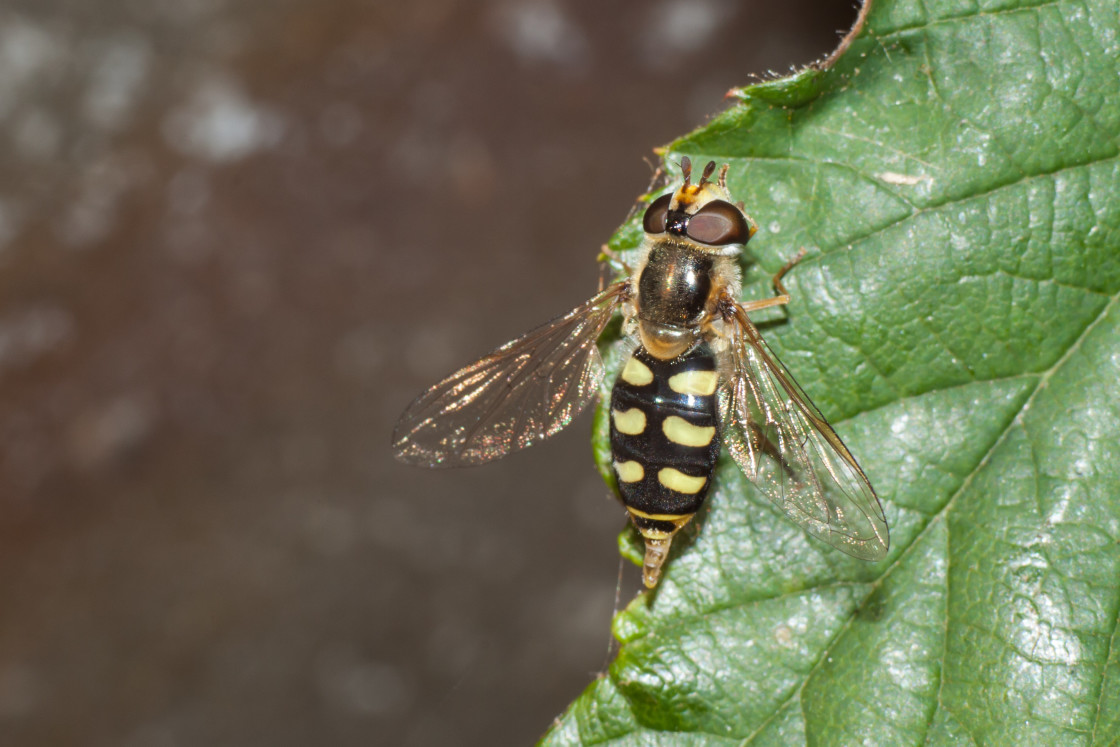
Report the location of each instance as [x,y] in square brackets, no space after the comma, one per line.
[664,441]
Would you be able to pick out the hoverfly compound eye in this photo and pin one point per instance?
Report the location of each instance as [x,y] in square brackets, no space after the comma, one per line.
[719,223]
[654,221]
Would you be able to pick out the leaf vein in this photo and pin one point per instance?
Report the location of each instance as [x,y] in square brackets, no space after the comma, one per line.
[950,20]
[1104,673]
[934,207]
[984,459]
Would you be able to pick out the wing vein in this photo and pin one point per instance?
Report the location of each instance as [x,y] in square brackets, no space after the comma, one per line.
[521,393]
[789,451]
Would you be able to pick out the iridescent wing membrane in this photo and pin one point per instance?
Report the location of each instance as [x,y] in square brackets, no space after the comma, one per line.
[521,393]
[789,451]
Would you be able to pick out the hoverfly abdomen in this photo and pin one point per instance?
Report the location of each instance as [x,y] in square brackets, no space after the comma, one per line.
[664,443]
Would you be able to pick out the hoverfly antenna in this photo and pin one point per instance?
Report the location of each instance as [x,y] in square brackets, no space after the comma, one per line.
[686,169]
[711,167]
[723,175]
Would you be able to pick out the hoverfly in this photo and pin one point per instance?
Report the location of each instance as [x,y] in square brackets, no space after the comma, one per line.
[700,374]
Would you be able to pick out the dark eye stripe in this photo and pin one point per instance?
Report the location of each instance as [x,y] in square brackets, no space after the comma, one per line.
[654,220]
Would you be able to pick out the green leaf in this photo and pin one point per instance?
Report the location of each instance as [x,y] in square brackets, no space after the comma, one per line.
[954,176]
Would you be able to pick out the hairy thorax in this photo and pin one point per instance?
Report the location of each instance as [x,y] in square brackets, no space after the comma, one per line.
[677,289]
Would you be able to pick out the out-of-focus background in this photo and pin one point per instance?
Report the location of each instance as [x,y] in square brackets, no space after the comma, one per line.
[236,238]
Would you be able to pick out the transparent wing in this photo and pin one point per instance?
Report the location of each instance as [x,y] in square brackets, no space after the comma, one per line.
[521,393]
[789,451]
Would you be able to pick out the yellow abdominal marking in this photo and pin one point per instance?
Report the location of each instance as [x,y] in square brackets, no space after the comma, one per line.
[629,471]
[694,382]
[680,482]
[679,519]
[632,422]
[680,431]
[636,373]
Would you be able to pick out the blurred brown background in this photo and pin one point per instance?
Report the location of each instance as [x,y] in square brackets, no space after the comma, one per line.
[236,238]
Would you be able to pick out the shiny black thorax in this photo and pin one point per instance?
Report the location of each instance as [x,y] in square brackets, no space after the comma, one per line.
[674,286]
[652,448]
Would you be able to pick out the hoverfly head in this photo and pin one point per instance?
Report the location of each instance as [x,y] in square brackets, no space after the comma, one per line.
[703,212]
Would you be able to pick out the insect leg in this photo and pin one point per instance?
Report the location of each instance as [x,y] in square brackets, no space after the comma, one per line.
[608,258]
[786,268]
[765,303]
[783,295]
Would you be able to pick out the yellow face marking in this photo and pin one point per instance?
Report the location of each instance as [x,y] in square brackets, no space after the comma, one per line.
[654,534]
[637,373]
[680,482]
[695,382]
[632,422]
[692,197]
[680,431]
[679,519]
[629,471]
